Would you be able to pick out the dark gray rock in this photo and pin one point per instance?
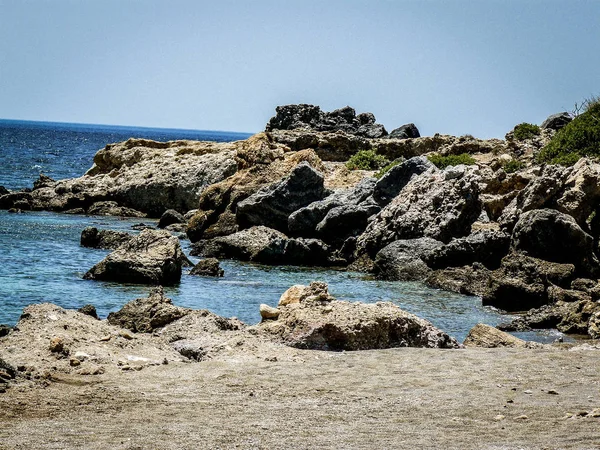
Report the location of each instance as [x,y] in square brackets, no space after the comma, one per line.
[390,185]
[345,221]
[272,205]
[310,117]
[486,247]
[407,131]
[522,282]
[553,236]
[403,260]
[208,267]
[144,315]
[3,191]
[307,252]
[557,121]
[170,217]
[17,200]
[89,310]
[92,237]
[4,330]
[152,257]
[304,221]
[43,181]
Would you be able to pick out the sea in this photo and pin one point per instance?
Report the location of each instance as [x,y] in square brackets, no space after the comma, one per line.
[41,259]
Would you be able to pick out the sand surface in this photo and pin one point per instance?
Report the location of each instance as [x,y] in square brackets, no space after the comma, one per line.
[397,398]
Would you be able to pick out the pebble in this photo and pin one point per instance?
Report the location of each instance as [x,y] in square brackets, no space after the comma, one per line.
[552,392]
[74,362]
[528,392]
[499,417]
[56,345]
[595,412]
[126,334]
[105,338]
[522,417]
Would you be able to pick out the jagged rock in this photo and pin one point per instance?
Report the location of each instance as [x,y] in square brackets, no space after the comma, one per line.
[170,217]
[545,317]
[402,260]
[467,280]
[310,117]
[325,324]
[92,237]
[486,247]
[407,131]
[482,335]
[7,372]
[304,221]
[144,315]
[317,291]
[152,257]
[342,222]
[557,294]
[259,244]
[208,267]
[265,245]
[430,205]
[521,282]
[16,200]
[576,318]
[594,325]
[142,226]
[556,121]
[43,181]
[272,205]
[390,185]
[3,191]
[89,310]
[551,235]
[580,194]
[111,208]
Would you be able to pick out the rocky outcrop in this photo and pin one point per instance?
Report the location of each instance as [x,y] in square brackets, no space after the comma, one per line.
[522,282]
[265,245]
[170,217]
[320,323]
[482,335]
[92,237]
[553,236]
[487,247]
[304,222]
[111,208]
[208,267]
[395,179]
[144,315]
[557,121]
[403,260]
[440,205]
[408,131]
[152,257]
[310,117]
[272,205]
[466,280]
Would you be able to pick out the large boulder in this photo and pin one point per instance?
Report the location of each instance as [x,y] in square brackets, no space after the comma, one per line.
[402,260]
[310,117]
[485,246]
[522,282]
[208,267]
[580,194]
[272,205]
[170,217]
[304,221]
[551,235]
[466,280]
[395,179]
[345,221]
[319,322]
[267,246]
[408,131]
[557,121]
[440,205]
[152,257]
[144,315]
[92,237]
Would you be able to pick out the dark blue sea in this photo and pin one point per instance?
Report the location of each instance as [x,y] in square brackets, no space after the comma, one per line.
[41,259]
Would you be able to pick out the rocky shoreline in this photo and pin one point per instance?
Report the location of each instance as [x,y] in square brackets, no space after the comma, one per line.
[522,236]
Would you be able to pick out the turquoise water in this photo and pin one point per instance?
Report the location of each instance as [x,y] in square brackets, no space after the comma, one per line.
[41,259]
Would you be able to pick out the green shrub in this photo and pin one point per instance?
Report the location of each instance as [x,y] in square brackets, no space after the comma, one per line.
[579,138]
[513,166]
[451,160]
[366,160]
[526,131]
[385,170]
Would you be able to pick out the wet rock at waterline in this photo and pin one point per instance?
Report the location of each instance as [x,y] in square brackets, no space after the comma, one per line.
[208,267]
[170,217]
[92,237]
[152,257]
[403,260]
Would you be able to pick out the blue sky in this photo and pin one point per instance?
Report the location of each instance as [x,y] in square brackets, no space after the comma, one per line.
[456,67]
